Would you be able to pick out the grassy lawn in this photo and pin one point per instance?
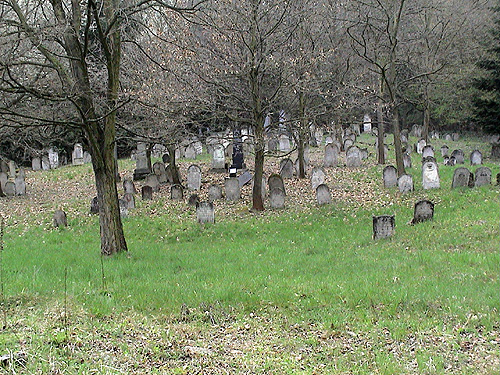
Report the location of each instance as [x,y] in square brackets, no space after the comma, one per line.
[300,291]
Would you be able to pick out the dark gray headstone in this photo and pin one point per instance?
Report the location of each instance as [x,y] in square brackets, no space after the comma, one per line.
[244,178]
[4,166]
[277,198]
[405,184]
[232,187]
[147,193]
[383,226]
[9,189]
[94,206]
[459,156]
[272,145]
[176,193]
[129,198]
[205,212]
[214,193]
[390,176]
[194,178]
[323,195]
[430,175]
[483,176]
[476,158]
[286,168]
[275,181]
[364,153]
[353,157]
[59,219]
[495,150]
[424,210]
[462,178]
[129,187]
[331,155]
[193,200]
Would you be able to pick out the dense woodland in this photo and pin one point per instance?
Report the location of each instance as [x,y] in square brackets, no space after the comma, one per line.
[110,73]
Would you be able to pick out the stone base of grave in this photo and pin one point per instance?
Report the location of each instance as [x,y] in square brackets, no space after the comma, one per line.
[140,174]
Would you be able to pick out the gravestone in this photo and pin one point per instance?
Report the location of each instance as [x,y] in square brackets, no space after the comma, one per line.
[495,150]
[483,176]
[12,168]
[77,154]
[348,143]
[428,150]
[459,156]
[190,152]
[198,147]
[318,134]
[232,188]
[205,212]
[455,137]
[277,198]
[237,156]
[328,140]
[248,147]
[143,161]
[214,193]
[364,153]
[383,226]
[323,195]
[416,131]
[193,200]
[176,193]
[423,211]
[9,189]
[59,219]
[420,145]
[152,180]
[20,184]
[129,187]
[331,155]
[218,158]
[4,167]
[430,175]
[87,158]
[448,138]
[275,181]
[94,206]
[286,168]
[53,159]
[160,172]
[404,136]
[406,160]
[244,178]
[284,141]
[165,158]
[123,206]
[451,161]
[444,150]
[273,145]
[36,164]
[147,193]
[405,184]
[353,157]
[317,178]
[462,177]
[130,199]
[390,176]
[3,180]
[476,158]
[367,124]
[194,178]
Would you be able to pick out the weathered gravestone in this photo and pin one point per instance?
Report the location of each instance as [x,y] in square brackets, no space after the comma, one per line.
[152,180]
[193,200]
[476,158]
[36,164]
[20,184]
[12,168]
[448,137]
[143,161]
[284,143]
[390,176]
[286,168]
[420,145]
[160,172]
[77,154]
[495,150]
[404,136]
[423,211]
[275,181]
[87,158]
[383,226]
[214,193]
[190,152]
[483,176]
[455,137]
[405,184]
[444,150]
[147,193]
[176,192]
[194,178]
[277,198]
[244,178]
[218,158]
[427,151]
[323,195]
[430,175]
[232,188]
[348,143]
[331,155]
[353,157]
[406,160]
[416,131]
[318,134]
[129,187]
[3,180]
[462,177]
[4,166]
[130,199]
[94,206]
[9,189]
[53,159]
[205,212]
[367,124]
[59,219]
[317,178]
[459,156]
[328,140]
[123,206]
[451,161]
[272,145]
[364,153]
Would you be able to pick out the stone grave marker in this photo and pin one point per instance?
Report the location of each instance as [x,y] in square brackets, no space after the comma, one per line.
[59,219]
[205,212]
[483,176]
[284,141]
[277,198]
[405,184]
[87,158]
[190,152]
[406,160]
[328,140]
[275,181]
[193,200]
[176,193]
[448,138]
[367,124]
[455,137]
[430,175]
[214,193]
[495,150]
[123,206]
[423,211]
[348,143]
[130,199]
[143,161]
[232,187]
[383,226]
[317,178]
[428,150]
[318,134]
[36,164]
[3,180]
[459,156]
[476,158]
[194,178]
[451,161]
[244,178]
[165,158]
[444,151]
[4,166]
[404,136]
[129,187]
[323,195]
[9,189]
[416,131]
[331,155]
[218,158]
[12,168]
[286,168]
[364,153]
[20,184]
[462,177]
[94,206]
[390,176]
[353,157]
[273,145]
[77,154]
[420,145]
[53,159]
[147,193]
[152,180]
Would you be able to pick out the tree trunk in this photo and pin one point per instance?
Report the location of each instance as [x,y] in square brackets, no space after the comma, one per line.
[381,133]
[427,120]
[257,201]
[397,143]
[303,131]
[176,179]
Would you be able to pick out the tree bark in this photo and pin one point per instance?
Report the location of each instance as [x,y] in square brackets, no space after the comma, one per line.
[397,143]
[381,134]
[173,165]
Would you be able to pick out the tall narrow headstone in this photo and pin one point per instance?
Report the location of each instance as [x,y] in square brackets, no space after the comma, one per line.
[237,156]
[143,161]
[3,180]
[53,159]
[331,155]
[36,164]
[130,199]
[420,145]
[129,187]
[430,175]
[160,171]
[194,178]
[20,184]
[218,158]
[232,187]
[77,155]
[406,160]
[94,206]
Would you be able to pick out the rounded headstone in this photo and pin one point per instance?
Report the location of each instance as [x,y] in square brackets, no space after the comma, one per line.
[424,210]
[483,176]
[390,176]
[286,168]
[323,195]
[59,219]
[214,193]
[405,184]
[176,192]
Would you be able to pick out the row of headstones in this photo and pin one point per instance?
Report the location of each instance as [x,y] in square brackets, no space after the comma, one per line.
[385,225]
[456,157]
[51,160]
[417,130]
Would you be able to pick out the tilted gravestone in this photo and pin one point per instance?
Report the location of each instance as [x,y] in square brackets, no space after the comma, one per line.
[462,177]
[214,193]
[353,157]
[194,178]
[244,178]
[331,155]
[423,211]
[152,180]
[430,175]
[193,200]
[36,164]
[130,199]
[405,184]
[9,189]
[483,176]
[176,193]
[476,158]
[160,172]
[77,154]
[444,150]
[390,176]
[277,198]
[317,178]
[232,187]
[406,160]
[275,181]
[286,168]
[428,150]
[94,206]
[129,187]
[59,219]
[383,226]
[459,156]
[323,195]
[205,212]
[45,163]
[147,193]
